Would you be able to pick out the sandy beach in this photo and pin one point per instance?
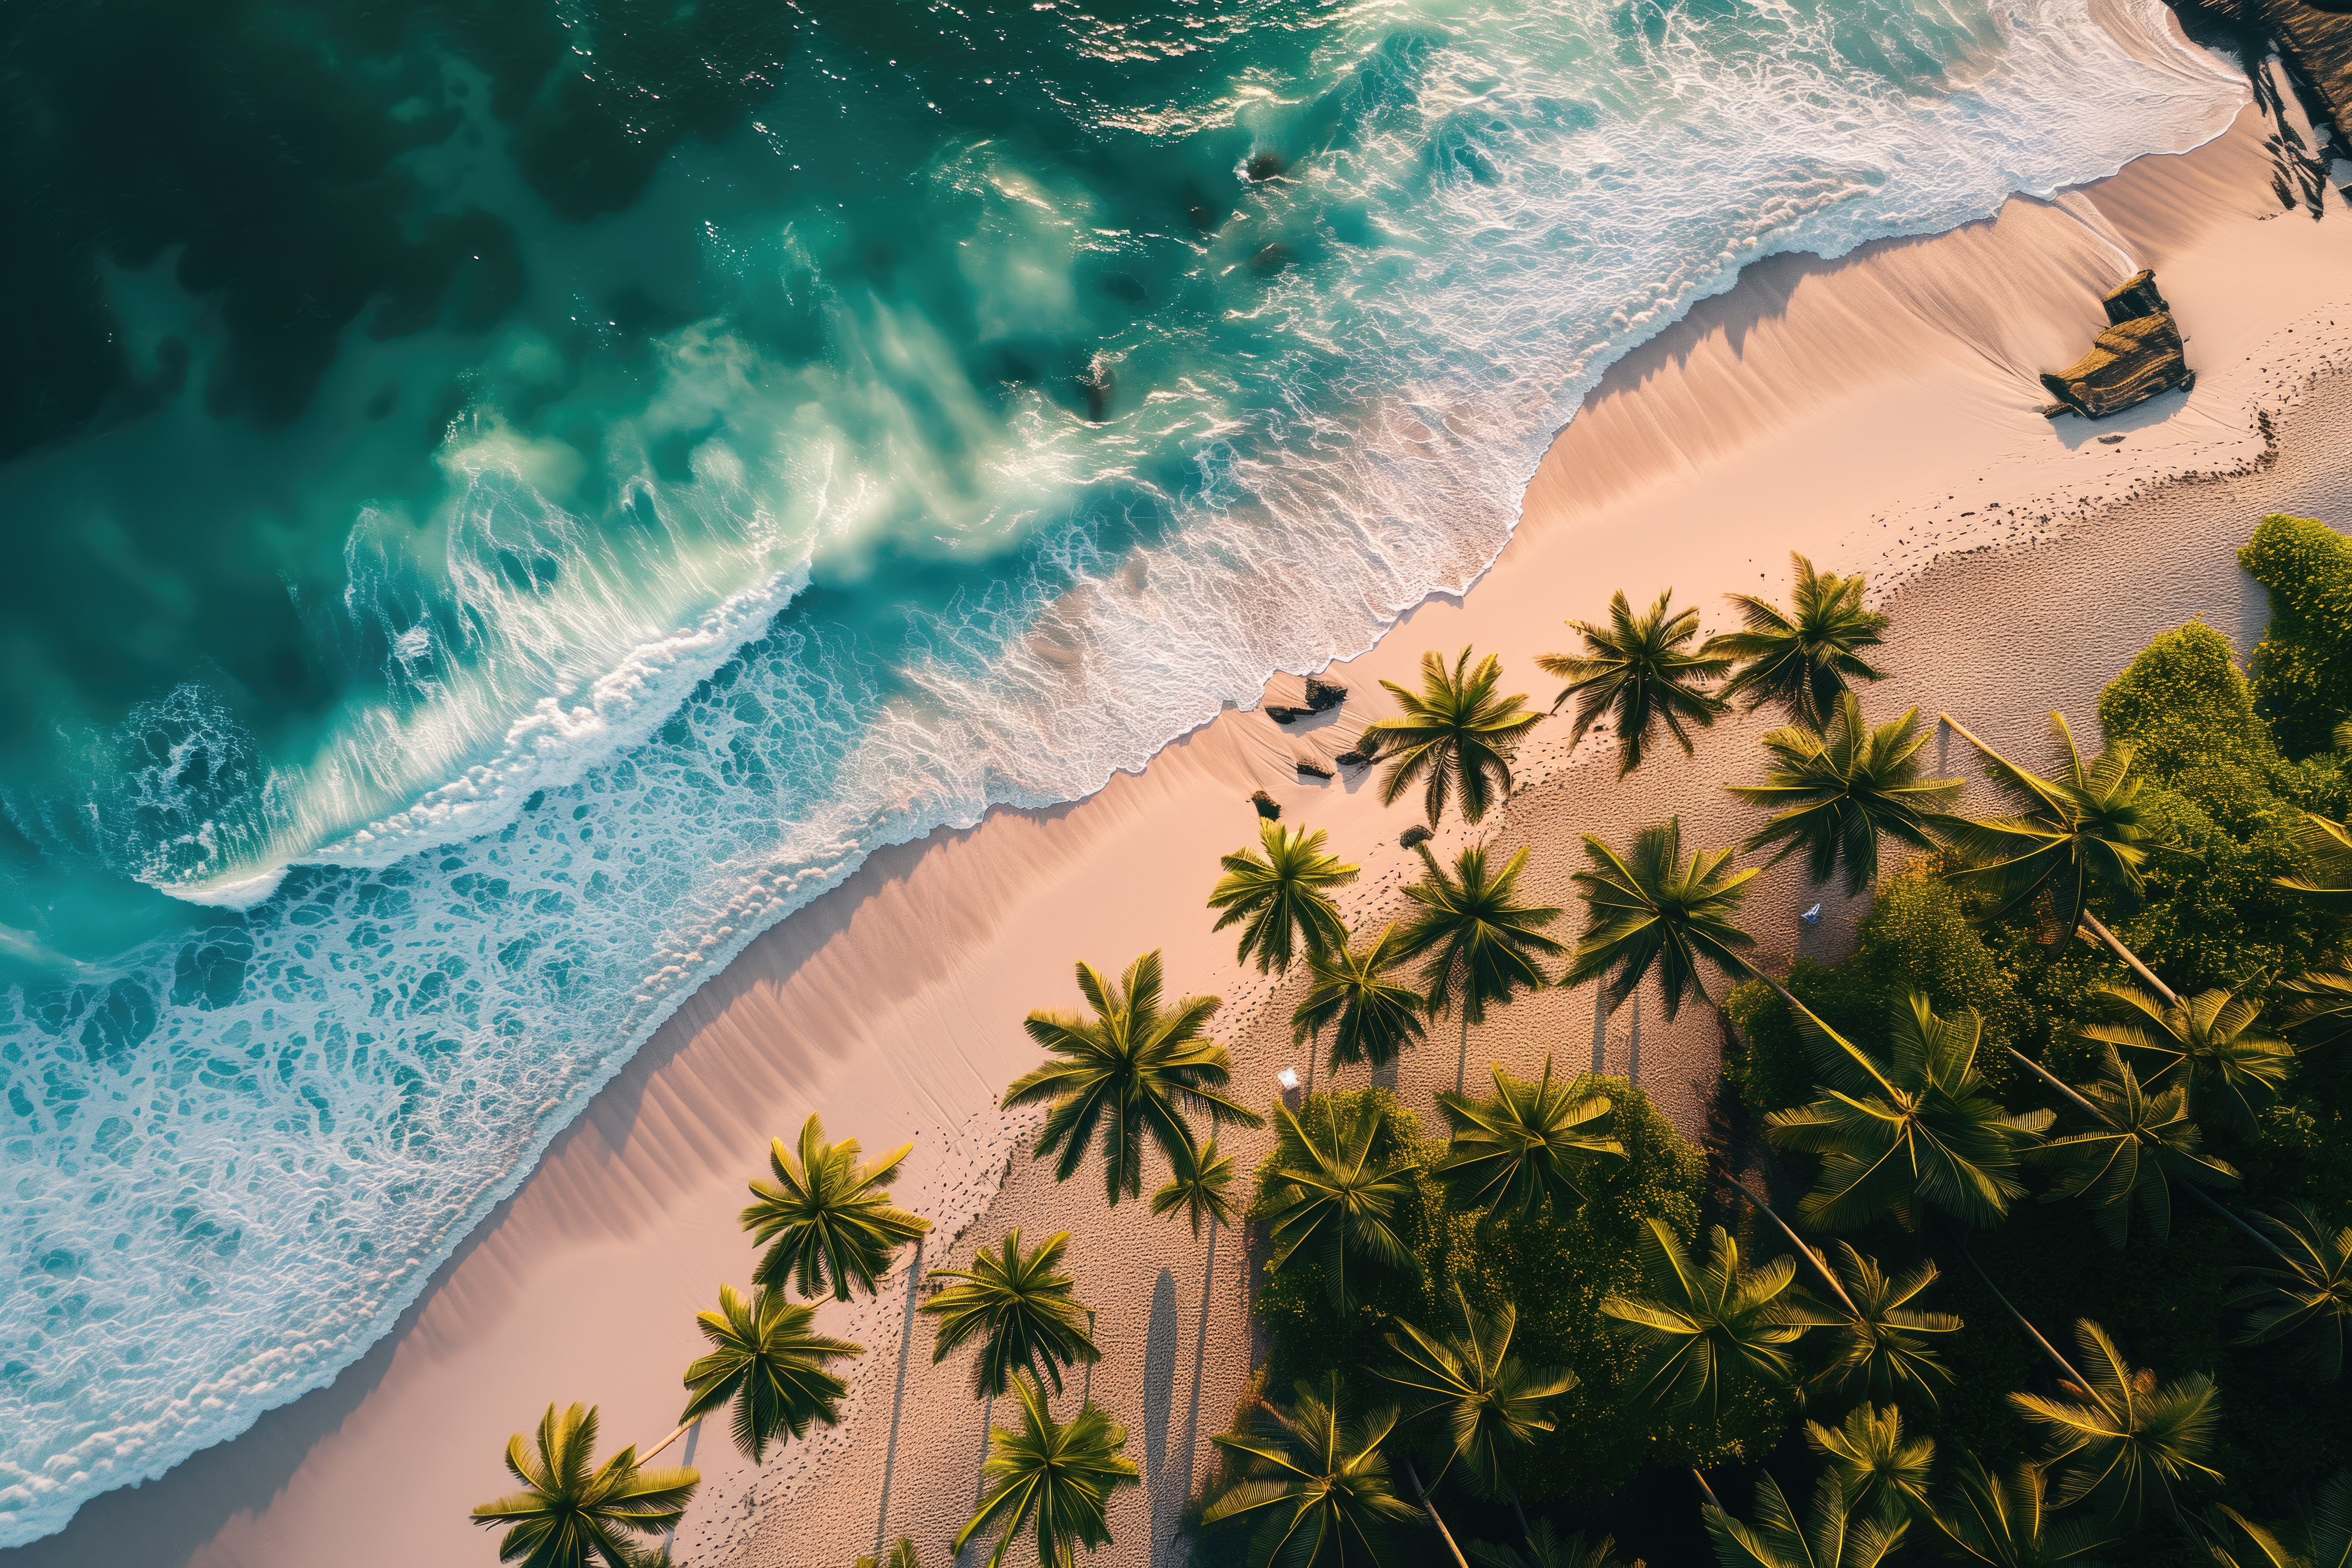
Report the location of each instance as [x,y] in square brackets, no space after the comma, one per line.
[1879,412]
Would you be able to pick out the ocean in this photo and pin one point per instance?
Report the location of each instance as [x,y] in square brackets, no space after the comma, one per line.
[507,501]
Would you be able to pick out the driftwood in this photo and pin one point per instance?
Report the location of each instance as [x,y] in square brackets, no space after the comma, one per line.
[2138,356]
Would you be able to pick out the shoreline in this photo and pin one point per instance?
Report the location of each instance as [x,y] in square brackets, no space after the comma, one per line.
[629,1215]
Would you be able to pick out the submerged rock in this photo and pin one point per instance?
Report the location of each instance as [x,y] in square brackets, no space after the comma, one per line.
[1272,259]
[1413,838]
[1267,806]
[1322,694]
[1265,166]
[2138,356]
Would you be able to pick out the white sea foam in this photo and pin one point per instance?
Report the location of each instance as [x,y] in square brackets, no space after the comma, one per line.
[235,1161]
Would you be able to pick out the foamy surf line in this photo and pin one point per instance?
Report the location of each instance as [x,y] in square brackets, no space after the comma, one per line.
[381,1050]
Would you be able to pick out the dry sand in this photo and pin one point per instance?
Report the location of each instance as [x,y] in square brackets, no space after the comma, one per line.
[1877,412]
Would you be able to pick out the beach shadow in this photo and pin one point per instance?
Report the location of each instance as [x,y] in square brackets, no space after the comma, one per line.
[1158,1377]
[2073,432]
[1171,1492]
[899,1398]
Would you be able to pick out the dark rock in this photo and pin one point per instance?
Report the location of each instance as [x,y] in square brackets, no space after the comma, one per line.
[1322,694]
[1095,386]
[1413,838]
[2136,357]
[1265,166]
[1282,715]
[1312,765]
[1272,259]
[1353,760]
[1267,806]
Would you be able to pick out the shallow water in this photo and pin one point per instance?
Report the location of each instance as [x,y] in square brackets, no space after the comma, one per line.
[507,501]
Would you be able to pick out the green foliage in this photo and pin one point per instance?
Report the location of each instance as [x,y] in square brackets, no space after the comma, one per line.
[2302,671]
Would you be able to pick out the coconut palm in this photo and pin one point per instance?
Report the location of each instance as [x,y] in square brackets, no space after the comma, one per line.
[1327,1193]
[1130,1073]
[1641,673]
[766,1360]
[2317,1009]
[2126,1165]
[2210,1044]
[1371,1015]
[1281,898]
[1454,738]
[1053,1479]
[2070,836]
[1836,1536]
[1882,1473]
[2005,1524]
[1651,910]
[1835,798]
[572,1512]
[1546,1550]
[1881,1355]
[2121,1438]
[1489,1400]
[2304,1297]
[1317,1483]
[1918,1128]
[902,1555]
[1700,1329]
[1474,935]
[1803,658]
[1526,1147]
[1201,1186]
[828,1217]
[1026,1316]
[2319,1536]
[2326,855]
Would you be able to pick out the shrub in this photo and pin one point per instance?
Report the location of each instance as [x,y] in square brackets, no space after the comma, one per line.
[1765,1059]
[2302,675]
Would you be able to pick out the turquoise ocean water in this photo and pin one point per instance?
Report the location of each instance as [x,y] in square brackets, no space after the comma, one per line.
[506,501]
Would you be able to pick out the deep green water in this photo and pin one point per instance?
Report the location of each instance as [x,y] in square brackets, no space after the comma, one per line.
[506,500]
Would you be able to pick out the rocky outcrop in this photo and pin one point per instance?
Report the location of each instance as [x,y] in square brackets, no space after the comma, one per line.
[1312,766]
[1414,837]
[1322,694]
[1267,806]
[2138,356]
[1281,715]
[1353,760]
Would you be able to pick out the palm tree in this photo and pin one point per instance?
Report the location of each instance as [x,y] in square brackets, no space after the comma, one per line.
[1881,1356]
[2006,1525]
[2306,1297]
[765,1359]
[2326,849]
[2070,837]
[1701,1328]
[1455,737]
[829,1217]
[1641,673]
[1546,1550]
[900,1556]
[1281,899]
[1526,1147]
[1052,1479]
[1490,1400]
[1833,1538]
[1654,910]
[2317,1010]
[1371,1016]
[1318,1483]
[1802,660]
[2121,1437]
[1473,933]
[1129,1073]
[2211,1036]
[2127,1164]
[569,1515]
[1919,1127]
[1327,1192]
[2320,1536]
[1837,797]
[1200,1187]
[1026,1316]
[1881,1473]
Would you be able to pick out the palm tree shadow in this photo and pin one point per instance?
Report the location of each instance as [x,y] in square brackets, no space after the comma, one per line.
[898,1398]
[1169,1493]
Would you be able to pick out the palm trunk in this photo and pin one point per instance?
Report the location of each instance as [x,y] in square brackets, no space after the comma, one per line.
[1706,1488]
[2035,1335]
[2104,935]
[2187,1186]
[681,1431]
[669,1536]
[1820,1265]
[1526,1533]
[1430,1509]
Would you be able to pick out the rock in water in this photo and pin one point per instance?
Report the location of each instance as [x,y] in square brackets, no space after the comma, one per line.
[2139,356]
[1322,694]
[1414,837]
[1267,806]
[1312,765]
